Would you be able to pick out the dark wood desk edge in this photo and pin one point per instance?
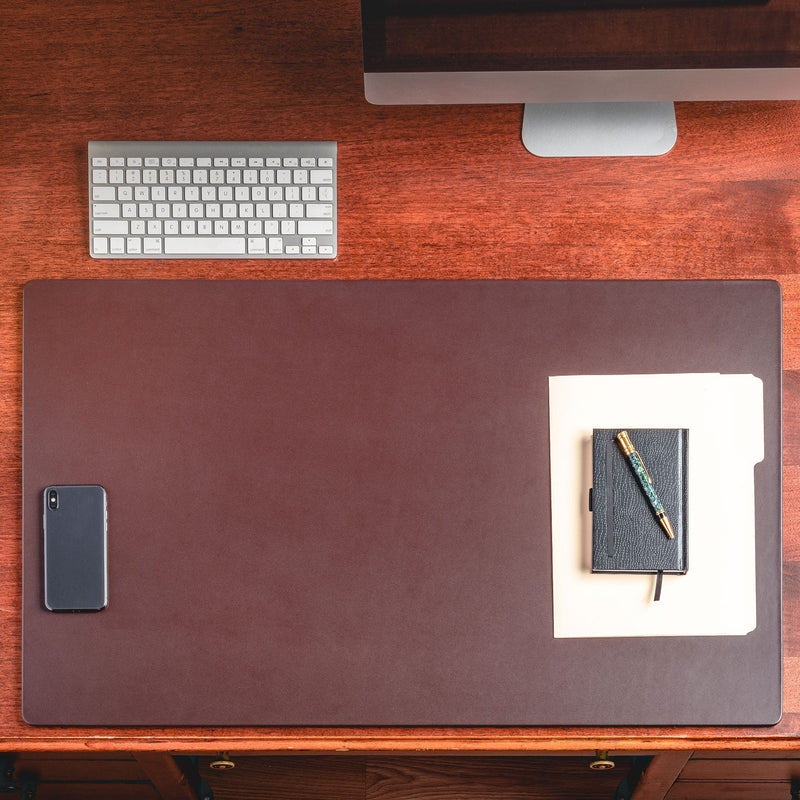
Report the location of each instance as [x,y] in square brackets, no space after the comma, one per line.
[415,742]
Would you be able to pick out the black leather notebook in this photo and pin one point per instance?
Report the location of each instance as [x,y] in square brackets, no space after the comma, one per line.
[627,535]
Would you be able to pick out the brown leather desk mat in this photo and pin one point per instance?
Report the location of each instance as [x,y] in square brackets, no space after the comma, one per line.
[329,502]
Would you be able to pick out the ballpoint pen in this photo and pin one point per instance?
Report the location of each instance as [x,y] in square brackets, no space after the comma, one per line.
[645,481]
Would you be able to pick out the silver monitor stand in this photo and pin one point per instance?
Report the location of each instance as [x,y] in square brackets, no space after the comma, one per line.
[599,129]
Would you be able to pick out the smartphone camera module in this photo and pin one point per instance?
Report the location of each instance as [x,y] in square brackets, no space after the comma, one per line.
[52,499]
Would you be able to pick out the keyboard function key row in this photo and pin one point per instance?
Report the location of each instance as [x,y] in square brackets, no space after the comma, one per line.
[220,161]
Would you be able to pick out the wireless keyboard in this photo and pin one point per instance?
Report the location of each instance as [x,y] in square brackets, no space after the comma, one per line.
[212,199]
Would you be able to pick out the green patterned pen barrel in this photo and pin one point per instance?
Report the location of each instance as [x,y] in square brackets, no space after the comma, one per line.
[640,471]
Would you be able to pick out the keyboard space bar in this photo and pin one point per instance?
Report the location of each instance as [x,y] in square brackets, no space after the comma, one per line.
[214,245]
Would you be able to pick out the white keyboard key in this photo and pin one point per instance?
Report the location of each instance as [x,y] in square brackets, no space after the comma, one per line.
[152,244]
[319,210]
[321,176]
[315,227]
[325,250]
[182,245]
[104,193]
[257,245]
[100,245]
[275,245]
[133,244]
[110,227]
[106,210]
[117,244]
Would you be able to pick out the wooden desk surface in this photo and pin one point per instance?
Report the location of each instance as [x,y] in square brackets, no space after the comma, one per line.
[439,192]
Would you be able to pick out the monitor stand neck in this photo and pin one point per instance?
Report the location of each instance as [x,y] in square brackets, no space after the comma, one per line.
[599,129]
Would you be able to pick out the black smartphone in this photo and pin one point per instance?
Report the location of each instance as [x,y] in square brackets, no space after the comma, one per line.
[75,544]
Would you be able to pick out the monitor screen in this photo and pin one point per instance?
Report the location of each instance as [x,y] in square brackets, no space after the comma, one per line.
[580,51]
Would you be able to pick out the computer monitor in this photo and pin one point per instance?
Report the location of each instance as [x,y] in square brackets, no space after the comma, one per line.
[598,77]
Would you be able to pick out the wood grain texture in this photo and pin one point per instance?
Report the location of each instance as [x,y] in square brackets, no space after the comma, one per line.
[489,779]
[439,192]
[105,776]
[659,776]
[412,778]
[288,778]
[164,773]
